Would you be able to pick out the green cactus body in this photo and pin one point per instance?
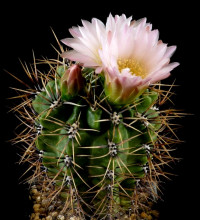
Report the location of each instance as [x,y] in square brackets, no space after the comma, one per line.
[94,152]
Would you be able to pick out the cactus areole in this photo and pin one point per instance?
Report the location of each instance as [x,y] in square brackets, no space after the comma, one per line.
[98,133]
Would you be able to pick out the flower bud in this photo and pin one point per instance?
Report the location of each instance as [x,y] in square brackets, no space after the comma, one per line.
[122,90]
[71,82]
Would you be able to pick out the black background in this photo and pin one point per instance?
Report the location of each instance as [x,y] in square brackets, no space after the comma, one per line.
[26,27]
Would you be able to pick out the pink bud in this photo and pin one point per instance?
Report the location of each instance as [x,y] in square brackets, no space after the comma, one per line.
[71,82]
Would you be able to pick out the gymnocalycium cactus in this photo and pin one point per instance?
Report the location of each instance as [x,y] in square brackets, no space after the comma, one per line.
[97,134]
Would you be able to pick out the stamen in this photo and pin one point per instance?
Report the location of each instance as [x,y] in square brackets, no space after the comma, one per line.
[136,68]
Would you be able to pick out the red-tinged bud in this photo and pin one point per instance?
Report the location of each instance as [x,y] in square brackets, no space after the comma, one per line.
[71,82]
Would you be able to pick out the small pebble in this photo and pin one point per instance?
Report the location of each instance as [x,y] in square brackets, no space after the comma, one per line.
[61,217]
[47,189]
[74,218]
[45,202]
[38,199]
[34,191]
[143,215]
[54,214]
[146,216]
[45,211]
[42,210]
[36,207]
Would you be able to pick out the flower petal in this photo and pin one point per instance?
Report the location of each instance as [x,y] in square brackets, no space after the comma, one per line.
[75,56]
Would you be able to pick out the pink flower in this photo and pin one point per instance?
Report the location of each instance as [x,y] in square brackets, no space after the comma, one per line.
[71,82]
[86,43]
[128,52]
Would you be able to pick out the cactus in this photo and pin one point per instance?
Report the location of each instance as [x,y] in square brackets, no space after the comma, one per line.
[93,157]
[99,159]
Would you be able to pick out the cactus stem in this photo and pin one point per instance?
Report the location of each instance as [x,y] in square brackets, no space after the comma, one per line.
[127,169]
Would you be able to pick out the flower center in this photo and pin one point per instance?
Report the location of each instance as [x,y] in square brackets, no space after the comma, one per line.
[136,68]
